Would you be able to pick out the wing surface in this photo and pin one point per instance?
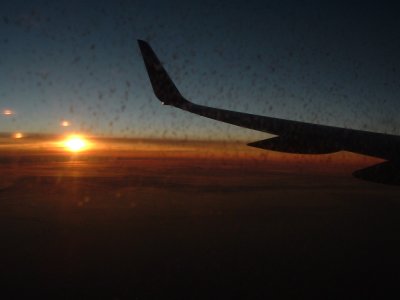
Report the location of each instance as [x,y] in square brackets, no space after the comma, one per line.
[293,136]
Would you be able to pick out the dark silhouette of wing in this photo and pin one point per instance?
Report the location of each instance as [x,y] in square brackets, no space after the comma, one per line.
[293,136]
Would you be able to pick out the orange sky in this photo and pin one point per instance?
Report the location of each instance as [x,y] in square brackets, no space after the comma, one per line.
[340,162]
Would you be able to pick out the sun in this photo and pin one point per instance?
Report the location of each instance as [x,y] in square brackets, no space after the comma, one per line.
[75,143]
[18,135]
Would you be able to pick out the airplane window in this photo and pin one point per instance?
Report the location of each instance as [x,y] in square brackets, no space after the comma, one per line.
[199,149]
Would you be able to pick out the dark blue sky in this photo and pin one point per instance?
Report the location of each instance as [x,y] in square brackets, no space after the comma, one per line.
[334,63]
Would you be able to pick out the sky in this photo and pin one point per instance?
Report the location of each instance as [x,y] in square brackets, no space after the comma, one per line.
[333,63]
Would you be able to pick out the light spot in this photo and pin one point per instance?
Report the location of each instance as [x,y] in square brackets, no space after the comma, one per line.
[65,123]
[8,112]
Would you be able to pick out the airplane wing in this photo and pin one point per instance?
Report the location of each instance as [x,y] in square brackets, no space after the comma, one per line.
[292,136]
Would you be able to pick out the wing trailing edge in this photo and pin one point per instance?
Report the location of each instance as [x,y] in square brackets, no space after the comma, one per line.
[296,144]
[387,172]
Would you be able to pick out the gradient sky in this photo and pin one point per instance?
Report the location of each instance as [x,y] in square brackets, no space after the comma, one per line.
[333,63]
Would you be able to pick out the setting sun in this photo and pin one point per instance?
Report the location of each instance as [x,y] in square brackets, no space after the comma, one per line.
[18,135]
[76,143]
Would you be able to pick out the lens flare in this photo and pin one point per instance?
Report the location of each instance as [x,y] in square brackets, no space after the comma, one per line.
[8,112]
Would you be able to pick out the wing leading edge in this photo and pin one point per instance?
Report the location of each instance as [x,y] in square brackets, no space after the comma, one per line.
[293,136]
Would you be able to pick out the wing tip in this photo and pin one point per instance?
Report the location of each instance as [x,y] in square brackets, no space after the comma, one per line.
[163,86]
[143,44]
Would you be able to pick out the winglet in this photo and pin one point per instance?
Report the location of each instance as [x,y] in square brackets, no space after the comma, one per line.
[163,86]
